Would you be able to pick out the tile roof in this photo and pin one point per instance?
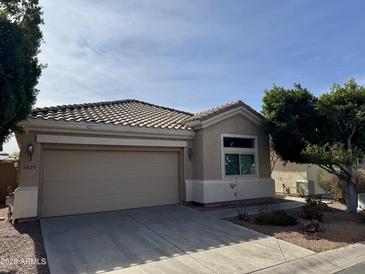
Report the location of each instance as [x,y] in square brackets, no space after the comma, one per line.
[204,115]
[131,112]
[128,112]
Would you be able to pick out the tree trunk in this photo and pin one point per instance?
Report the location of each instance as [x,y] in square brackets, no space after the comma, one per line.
[351,199]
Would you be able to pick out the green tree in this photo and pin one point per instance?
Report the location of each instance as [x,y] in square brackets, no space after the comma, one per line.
[20,41]
[328,131]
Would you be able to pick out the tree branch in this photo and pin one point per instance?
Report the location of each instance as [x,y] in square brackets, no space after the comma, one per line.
[345,170]
[329,169]
[353,131]
[349,139]
[274,159]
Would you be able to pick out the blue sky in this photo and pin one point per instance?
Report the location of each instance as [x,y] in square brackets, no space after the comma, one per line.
[193,55]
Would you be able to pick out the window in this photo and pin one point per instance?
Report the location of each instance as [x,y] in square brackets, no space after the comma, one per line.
[239,164]
[238,142]
[232,164]
[239,156]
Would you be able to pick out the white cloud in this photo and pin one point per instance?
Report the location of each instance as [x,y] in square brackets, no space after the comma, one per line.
[163,52]
[97,51]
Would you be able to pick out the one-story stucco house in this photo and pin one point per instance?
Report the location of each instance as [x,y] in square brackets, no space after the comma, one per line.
[126,154]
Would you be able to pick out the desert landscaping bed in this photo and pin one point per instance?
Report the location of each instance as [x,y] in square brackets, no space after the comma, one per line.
[21,247]
[337,229]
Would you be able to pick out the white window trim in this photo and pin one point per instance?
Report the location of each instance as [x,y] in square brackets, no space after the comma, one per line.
[253,151]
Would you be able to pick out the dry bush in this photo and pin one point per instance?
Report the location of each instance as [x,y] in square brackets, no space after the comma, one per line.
[360,179]
[332,184]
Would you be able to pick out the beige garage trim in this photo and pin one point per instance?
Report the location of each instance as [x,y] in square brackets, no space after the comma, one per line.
[84,181]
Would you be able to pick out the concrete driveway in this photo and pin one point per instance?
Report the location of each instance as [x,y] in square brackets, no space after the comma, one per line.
[166,239]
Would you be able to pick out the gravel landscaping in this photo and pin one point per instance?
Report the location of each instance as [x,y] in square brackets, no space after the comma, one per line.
[337,229]
[21,247]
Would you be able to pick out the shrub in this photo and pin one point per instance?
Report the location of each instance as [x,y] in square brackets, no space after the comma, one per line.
[280,218]
[313,209]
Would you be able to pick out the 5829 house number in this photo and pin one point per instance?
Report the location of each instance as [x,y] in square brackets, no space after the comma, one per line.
[29,167]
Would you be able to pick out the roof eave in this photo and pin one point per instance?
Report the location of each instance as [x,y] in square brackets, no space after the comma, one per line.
[204,123]
[72,127]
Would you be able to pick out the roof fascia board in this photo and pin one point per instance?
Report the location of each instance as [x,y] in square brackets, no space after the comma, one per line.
[104,129]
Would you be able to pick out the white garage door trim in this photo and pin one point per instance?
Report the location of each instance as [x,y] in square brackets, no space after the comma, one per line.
[80,140]
[124,155]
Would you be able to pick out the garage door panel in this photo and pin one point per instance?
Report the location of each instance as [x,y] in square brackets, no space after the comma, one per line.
[99,205]
[57,157]
[89,178]
[77,191]
[58,208]
[128,179]
[53,171]
[92,181]
[80,172]
[102,203]
[85,189]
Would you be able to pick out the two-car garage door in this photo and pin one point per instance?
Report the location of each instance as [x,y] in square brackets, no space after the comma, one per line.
[82,181]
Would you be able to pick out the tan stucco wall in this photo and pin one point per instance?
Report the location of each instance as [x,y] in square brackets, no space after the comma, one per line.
[29,167]
[207,146]
[198,156]
[290,173]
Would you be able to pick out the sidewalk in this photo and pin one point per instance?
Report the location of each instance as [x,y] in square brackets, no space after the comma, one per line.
[326,262]
[356,269]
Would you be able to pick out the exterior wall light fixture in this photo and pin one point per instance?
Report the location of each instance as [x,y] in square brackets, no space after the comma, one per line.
[190,153]
[30,151]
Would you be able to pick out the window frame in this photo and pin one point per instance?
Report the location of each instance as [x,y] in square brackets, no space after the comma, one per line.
[237,150]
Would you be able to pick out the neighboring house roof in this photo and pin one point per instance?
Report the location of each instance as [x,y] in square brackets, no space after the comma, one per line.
[133,113]
[210,113]
[123,112]
[4,157]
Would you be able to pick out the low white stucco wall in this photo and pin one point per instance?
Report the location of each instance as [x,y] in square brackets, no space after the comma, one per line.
[25,202]
[213,191]
[188,190]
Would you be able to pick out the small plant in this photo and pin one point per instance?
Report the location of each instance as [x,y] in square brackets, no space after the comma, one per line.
[313,209]
[241,210]
[280,218]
